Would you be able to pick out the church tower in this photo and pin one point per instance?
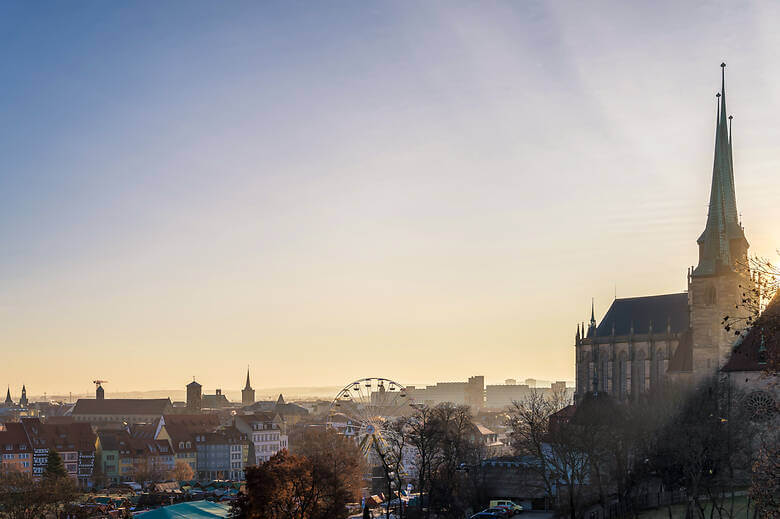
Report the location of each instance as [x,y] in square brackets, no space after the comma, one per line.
[716,284]
[247,394]
[23,400]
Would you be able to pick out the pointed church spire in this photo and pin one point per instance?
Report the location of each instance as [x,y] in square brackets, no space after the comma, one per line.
[723,228]
[592,311]
[248,385]
[8,399]
[592,324]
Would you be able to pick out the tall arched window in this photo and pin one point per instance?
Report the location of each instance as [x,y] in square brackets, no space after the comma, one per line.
[604,384]
[591,371]
[657,369]
[621,375]
[582,375]
[638,376]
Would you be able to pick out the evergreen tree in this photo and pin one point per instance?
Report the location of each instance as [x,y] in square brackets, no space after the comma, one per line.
[55,468]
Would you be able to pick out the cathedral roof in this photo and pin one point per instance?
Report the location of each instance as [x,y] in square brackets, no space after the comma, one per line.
[641,311]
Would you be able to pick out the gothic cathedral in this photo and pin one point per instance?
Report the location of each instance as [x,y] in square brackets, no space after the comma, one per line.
[644,341]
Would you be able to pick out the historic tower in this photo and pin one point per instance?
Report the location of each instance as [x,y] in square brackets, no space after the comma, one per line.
[716,285]
[247,394]
[23,400]
[194,396]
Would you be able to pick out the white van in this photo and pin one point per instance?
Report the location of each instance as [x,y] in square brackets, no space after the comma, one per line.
[511,506]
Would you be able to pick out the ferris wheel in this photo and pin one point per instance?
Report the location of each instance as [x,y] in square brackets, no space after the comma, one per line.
[363,408]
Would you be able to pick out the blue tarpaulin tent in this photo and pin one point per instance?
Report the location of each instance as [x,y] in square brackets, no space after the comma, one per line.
[194,510]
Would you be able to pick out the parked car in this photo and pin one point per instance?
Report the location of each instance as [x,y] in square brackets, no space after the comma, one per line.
[499,511]
[485,515]
[511,506]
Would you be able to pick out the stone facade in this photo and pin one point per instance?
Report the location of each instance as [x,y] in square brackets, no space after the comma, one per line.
[629,363]
[712,298]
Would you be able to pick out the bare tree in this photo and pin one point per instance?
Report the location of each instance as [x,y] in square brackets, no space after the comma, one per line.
[759,295]
[22,497]
[554,448]
[423,435]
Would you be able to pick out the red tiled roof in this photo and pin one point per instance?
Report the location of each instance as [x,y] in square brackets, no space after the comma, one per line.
[192,420]
[122,406]
[60,437]
[13,434]
[257,417]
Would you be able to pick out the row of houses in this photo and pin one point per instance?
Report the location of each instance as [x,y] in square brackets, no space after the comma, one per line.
[26,446]
[145,451]
[200,441]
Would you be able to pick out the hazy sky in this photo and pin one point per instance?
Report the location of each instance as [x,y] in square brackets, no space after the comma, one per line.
[328,190]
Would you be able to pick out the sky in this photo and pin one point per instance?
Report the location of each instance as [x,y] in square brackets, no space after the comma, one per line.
[325,191]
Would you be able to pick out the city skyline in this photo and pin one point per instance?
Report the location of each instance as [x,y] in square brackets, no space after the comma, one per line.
[189,192]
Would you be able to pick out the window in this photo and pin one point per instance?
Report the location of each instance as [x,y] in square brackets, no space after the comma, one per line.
[621,375]
[638,377]
[657,370]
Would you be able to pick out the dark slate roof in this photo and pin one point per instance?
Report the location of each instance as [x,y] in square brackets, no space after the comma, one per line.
[642,310]
[123,406]
[760,345]
[214,401]
[114,440]
[276,407]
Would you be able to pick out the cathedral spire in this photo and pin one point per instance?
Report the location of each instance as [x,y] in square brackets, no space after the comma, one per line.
[8,399]
[723,242]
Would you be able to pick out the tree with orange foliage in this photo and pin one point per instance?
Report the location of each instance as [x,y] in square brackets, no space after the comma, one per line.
[315,483]
[182,471]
